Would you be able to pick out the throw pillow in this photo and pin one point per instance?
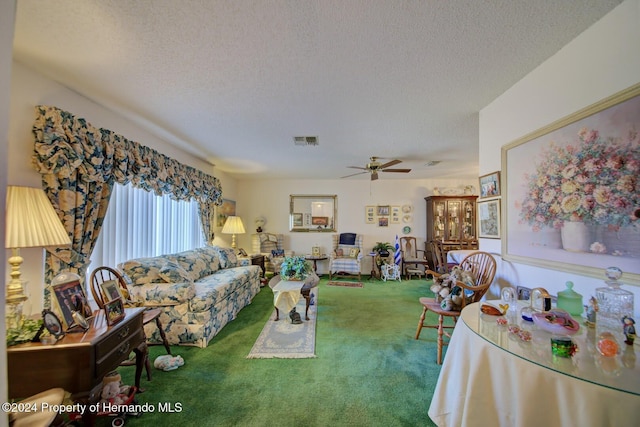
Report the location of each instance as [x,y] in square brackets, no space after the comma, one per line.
[353,252]
[339,252]
[173,273]
[277,253]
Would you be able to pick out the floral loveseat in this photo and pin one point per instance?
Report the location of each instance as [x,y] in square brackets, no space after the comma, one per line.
[199,291]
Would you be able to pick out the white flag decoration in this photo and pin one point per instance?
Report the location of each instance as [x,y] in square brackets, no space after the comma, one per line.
[396,257]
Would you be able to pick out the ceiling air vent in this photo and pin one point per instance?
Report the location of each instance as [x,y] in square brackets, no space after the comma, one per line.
[305,140]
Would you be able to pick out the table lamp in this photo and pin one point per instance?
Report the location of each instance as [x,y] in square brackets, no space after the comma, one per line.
[31,222]
[233,226]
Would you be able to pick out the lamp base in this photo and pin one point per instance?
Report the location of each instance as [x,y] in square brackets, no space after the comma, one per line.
[14,316]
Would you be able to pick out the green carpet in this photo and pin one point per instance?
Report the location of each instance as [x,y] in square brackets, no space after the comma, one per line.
[369,369]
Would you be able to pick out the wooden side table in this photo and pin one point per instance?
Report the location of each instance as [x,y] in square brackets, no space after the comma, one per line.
[78,361]
[315,260]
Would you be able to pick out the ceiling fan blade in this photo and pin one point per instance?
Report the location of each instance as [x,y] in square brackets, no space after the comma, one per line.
[397,170]
[354,174]
[374,176]
[391,163]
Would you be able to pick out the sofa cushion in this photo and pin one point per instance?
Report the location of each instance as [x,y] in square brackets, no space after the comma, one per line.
[163,294]
[211,259]
[227,257]
[210,290]
[143,270]
[171,272]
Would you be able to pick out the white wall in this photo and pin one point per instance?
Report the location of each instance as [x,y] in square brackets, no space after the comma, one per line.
[30,88]
[600,62]
[7,15]
[270,198]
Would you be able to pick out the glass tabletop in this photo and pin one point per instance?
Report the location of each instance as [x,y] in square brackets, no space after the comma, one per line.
[620,372]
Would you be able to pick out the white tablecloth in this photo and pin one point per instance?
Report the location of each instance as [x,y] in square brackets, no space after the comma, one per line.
[482,384]
[286,294]
[457,255]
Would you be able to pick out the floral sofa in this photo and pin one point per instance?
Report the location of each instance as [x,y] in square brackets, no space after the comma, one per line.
[199,291]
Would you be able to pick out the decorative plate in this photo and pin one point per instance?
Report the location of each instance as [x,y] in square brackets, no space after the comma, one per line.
[406,218]
[406,208]
[406,229]
[556,321]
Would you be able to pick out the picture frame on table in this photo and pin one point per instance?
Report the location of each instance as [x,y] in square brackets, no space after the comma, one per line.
[114,311]
[566,205]
[242,252]
[490,185]
[69,297]
[489,219]
[52,323]
[110,290]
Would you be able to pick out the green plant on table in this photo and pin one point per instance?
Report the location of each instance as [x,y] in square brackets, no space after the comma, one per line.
[295,268]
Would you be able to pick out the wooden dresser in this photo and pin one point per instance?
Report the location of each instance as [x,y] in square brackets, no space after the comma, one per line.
[78,361]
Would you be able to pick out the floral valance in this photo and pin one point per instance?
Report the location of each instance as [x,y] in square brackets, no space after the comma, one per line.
[65,143]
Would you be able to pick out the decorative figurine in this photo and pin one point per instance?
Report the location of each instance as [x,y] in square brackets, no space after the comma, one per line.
[591,309]
[629,329]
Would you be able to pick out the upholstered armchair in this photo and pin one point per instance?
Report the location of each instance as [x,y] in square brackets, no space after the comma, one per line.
[346,256]
[272,247]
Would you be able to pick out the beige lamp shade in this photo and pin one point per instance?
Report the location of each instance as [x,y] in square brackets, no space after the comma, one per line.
[233,226]
[31,220]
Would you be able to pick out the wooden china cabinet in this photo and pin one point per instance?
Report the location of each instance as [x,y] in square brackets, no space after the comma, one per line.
[451,219]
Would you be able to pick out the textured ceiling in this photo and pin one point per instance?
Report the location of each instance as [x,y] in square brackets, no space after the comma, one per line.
[234,81]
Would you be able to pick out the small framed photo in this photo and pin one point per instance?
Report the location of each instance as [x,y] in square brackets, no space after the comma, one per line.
[370,215]
[489,219]
[296,219]
[315,251]
[52,323]
[383,210]
[490,185]
[110,290]
[70,297]
[114,311]
[242,252]
[383,221]
[320,220]
[395,214]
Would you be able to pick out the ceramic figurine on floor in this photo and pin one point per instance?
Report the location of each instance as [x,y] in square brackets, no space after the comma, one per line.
[629,329]
[295,317]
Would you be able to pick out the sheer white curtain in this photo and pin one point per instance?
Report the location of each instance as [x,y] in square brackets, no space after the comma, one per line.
[140,224]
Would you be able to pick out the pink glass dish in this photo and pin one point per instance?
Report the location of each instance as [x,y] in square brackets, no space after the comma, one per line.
[556,321]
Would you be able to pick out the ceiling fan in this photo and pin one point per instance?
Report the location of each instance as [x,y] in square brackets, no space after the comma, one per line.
[374,166]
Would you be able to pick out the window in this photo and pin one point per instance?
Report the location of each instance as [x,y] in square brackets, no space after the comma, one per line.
[140,224]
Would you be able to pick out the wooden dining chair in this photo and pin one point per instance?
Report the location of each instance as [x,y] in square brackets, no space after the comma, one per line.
[439,257]
[414,260]
[482,267]
[104,274]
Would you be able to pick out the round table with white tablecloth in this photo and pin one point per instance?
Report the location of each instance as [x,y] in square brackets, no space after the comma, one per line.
[490,376]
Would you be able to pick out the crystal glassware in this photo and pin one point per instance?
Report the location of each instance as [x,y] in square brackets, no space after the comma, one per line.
[613,304]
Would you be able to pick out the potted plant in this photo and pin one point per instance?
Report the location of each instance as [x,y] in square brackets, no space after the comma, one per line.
[295,268]
[383,248]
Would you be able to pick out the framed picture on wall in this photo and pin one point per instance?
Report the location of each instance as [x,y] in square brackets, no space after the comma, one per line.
[225,210]
[370,215]
[489,219]
[569,202]
[383,221]
[383,210]
[490,185]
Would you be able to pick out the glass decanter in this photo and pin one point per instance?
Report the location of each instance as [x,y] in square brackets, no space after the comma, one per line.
[613,304]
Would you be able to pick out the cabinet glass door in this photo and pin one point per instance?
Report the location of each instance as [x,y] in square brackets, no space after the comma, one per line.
[454,210]
[469,222]
[439,220]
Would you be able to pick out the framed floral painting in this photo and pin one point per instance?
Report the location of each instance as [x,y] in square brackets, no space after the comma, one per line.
[571,197]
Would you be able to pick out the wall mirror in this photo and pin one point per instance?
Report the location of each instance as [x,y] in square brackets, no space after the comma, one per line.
[313,213]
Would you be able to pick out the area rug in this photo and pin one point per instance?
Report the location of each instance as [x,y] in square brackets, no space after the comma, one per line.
[345,284]
[283,340]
